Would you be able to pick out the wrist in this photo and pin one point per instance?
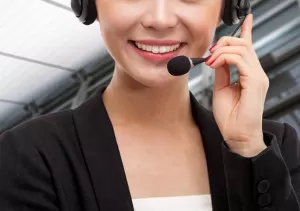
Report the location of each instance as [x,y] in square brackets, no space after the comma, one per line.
[250,148]
[250,151]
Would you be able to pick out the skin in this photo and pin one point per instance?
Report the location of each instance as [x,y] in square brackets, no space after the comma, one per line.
[150,110]
[144,91]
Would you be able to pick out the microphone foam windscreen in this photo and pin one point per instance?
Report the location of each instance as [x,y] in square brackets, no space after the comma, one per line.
[179,65]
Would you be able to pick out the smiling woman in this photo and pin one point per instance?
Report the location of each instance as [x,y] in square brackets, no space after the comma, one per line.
[144,142]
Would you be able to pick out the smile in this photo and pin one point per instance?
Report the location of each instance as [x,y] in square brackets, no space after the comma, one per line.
[156,48]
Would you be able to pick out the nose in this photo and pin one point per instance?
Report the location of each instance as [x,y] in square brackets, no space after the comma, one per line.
[160,15]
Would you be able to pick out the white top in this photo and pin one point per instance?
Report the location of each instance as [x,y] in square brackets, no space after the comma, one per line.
[178,203]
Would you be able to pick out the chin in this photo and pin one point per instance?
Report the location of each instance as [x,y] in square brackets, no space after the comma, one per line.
[154,82]
[155,77]
[147,75]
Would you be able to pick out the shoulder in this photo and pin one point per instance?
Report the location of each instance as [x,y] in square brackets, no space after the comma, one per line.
[29,160]
[40,130]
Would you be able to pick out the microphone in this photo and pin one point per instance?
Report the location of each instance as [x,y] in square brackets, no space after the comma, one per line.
[181,65]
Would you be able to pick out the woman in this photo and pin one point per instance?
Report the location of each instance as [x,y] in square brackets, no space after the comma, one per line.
[143,142]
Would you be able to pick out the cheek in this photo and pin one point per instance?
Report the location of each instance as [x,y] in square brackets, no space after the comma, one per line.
[201,25]
[114,28]
[116,17]
[203,36]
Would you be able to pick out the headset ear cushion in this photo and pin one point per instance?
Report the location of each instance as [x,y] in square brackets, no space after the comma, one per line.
[76,7]
[91,12]
[85,10]
[235,10]
[230,12]
[245,9]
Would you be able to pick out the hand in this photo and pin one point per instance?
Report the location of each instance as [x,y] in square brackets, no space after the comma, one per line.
[238,109]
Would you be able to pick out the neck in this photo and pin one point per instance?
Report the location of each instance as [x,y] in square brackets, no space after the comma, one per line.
[131,103]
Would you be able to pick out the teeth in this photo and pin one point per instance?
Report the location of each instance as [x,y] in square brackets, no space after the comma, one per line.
[163,49]
[157,49]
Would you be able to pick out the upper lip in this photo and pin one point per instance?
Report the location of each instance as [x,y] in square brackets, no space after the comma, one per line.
[158,42]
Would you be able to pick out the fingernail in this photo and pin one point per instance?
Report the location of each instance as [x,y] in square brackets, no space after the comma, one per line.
[211,63]
[212,47]
[206,60]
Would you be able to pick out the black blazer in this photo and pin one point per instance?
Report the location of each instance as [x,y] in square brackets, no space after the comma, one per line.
[70,161]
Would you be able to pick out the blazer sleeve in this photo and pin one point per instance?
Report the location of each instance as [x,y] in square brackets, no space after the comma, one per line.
[268,182]
[25,181]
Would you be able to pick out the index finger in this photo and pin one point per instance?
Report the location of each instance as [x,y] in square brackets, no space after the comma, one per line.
[246,30]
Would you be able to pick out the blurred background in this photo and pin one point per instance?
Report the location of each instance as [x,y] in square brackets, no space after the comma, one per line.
[49,61]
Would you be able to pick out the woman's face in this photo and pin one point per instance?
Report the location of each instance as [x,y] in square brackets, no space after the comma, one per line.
[158,27]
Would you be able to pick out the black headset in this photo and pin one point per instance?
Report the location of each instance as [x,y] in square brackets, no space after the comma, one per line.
[234,10]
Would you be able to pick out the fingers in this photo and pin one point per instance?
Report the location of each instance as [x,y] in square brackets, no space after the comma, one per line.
[237,50]
[240,53]
[232,59]
[231,41]
[254,75]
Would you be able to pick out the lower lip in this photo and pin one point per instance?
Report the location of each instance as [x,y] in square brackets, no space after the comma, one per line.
[157,57]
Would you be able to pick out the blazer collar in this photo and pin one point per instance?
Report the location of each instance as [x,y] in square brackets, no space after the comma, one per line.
[104,163]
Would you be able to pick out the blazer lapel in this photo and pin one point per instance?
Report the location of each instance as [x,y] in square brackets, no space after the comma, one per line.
[212,142]
[101,153]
